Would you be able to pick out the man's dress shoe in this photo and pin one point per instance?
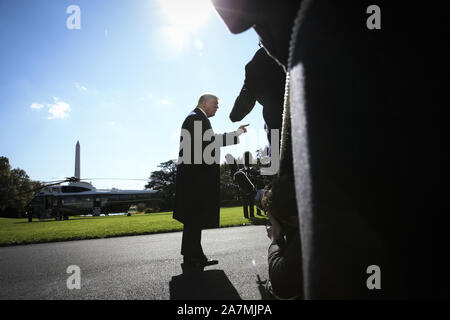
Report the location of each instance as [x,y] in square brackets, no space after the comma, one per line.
[198,263]
[210,262]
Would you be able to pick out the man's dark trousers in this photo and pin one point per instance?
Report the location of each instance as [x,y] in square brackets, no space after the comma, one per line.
[248,203]
[191,242]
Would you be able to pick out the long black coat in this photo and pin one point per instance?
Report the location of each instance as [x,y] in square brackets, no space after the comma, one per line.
[357,144]
[197,195]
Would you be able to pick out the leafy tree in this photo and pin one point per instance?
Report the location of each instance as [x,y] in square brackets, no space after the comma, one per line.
[163,181]
[16,189]
[228,190]
[5,170]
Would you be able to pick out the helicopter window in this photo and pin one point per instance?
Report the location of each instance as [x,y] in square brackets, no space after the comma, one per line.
[69,189]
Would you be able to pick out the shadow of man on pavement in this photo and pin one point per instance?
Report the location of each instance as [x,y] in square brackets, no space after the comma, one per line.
[202,285]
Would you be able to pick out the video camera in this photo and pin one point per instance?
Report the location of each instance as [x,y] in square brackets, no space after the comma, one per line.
[244,182]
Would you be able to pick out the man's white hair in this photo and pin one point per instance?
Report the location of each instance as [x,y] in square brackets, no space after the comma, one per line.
[205,97]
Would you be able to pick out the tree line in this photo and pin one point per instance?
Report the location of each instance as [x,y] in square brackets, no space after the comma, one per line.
[16,190]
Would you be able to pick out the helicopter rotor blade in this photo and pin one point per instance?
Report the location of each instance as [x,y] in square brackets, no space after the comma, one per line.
[74,179]
[132,179]
[45,184]
[39,188]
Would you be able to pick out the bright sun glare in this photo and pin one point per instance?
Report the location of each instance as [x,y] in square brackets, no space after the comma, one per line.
[183,19]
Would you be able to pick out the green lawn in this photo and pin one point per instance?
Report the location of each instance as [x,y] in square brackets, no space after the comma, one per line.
[20,231]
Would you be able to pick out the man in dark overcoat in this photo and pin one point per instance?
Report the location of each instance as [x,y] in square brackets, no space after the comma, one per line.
[197,195]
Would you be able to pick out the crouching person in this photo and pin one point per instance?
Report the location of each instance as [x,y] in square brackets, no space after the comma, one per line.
[284,254]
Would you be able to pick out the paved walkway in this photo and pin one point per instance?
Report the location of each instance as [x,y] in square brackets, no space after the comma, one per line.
[138,267]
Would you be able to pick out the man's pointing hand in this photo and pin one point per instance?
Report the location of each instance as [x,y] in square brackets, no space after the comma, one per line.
[242,128]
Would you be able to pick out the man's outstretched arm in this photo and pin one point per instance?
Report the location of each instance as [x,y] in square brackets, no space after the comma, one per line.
[231,138]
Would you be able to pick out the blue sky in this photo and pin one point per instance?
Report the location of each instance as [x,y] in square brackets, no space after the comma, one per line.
[121,84]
